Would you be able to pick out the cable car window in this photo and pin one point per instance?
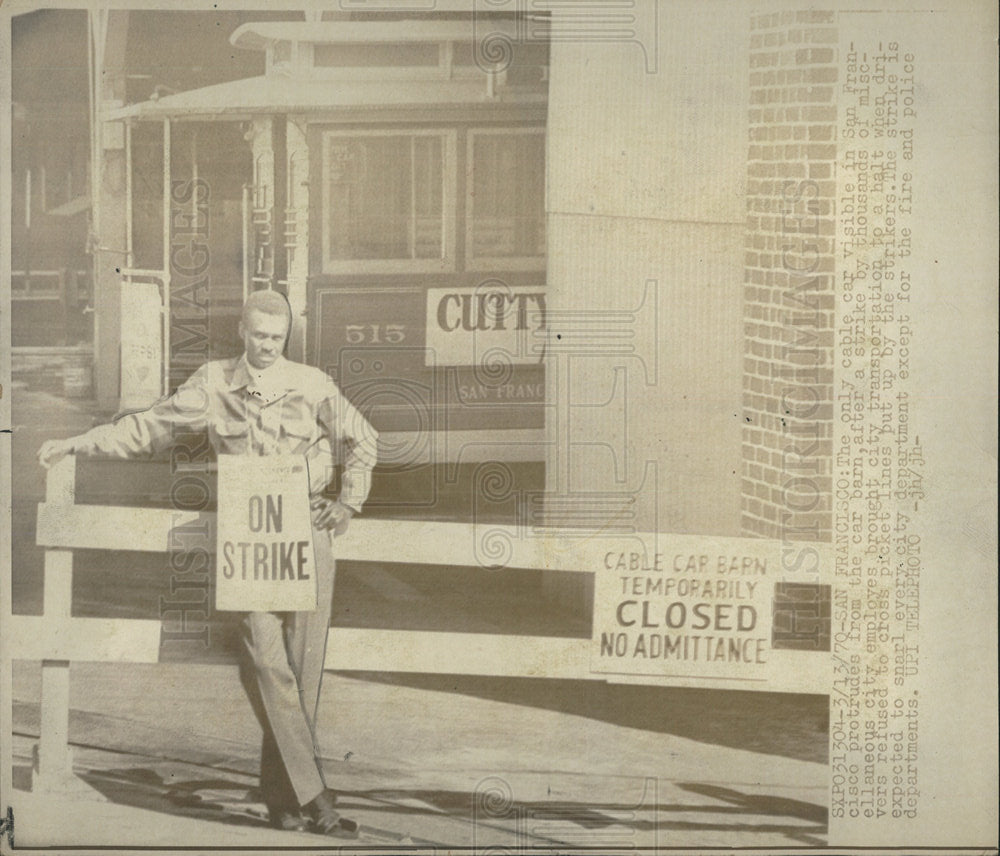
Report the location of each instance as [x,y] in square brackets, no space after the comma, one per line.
[403,54]
[282,53]
[388,199]
[506,188]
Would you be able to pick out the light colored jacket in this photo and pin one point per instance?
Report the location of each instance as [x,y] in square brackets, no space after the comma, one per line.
[289,408]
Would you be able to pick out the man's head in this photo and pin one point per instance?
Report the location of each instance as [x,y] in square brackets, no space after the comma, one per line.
[264,327]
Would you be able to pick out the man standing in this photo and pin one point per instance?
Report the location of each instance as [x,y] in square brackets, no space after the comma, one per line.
[264,404]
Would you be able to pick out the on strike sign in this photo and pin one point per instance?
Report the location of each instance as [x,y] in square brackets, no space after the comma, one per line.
[264,556]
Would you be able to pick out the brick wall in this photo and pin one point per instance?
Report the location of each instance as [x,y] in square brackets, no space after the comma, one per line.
[789,277]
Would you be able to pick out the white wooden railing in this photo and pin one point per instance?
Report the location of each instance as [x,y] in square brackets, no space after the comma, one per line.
[55,638]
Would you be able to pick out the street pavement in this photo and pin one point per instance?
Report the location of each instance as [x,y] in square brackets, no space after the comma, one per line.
[168,754]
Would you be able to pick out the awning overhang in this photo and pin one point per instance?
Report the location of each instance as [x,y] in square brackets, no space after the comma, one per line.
[255,96]
[258,36]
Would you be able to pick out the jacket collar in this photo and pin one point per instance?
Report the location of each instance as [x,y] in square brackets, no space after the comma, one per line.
[271,382]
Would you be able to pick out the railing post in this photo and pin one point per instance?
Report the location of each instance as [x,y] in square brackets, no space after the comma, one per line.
[55,758]
[60,482]
[54,763]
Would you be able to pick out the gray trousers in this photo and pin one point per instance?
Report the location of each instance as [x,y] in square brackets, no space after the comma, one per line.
[281,666]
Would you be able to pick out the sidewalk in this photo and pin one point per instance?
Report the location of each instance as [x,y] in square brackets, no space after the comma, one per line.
[170,752]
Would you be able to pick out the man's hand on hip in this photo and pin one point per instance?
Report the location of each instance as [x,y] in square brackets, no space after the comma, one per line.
[334,516]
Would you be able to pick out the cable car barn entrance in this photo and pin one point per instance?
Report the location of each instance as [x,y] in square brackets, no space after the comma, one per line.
[390,181]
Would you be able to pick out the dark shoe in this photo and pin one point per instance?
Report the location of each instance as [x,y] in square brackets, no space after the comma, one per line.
[326,820]
[290,821]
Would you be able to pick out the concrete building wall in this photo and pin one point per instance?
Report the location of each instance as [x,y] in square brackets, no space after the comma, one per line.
[646,196]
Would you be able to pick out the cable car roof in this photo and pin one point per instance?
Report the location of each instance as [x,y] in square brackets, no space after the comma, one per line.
[277,94]
[300,87]
[259,36]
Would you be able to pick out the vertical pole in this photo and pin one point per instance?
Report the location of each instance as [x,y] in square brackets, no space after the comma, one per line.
[58,593]
[446,58]
[55,759]
[94,70]
[247,189]
[412,236]
[129,260]
[449,162]
[165,385]
[27,231]
[297,202]
[107,80]
[279,193]
[64,298]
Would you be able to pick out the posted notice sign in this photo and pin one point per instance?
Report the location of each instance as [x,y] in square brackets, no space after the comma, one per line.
[264,557]
[739,613]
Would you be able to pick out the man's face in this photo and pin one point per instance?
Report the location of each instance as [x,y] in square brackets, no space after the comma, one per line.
[263,337]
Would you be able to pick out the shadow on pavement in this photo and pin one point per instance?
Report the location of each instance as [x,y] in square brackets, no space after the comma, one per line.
[793,726]
[557,821]
[218,799]
[758,804]
[593,815]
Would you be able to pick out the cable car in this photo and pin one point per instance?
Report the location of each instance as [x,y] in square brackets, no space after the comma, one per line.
[389,178]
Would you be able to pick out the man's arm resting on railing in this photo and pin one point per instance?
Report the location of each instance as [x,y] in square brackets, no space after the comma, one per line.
[140,433]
